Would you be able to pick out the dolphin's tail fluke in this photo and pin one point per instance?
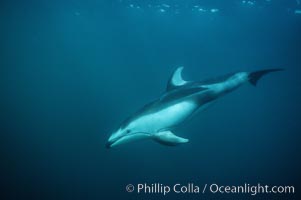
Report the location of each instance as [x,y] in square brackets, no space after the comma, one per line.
[255,76]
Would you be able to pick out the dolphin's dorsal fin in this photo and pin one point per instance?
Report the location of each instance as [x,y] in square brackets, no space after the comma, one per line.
[176,79]
[168,138]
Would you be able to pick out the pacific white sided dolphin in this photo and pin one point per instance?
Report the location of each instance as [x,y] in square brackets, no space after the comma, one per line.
[181,100]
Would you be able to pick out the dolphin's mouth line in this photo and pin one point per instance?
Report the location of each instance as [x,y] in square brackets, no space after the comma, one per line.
[110,143]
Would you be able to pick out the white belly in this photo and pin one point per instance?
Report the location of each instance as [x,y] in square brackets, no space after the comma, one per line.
[167,117]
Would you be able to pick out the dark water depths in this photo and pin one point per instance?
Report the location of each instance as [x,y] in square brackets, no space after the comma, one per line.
[71,71]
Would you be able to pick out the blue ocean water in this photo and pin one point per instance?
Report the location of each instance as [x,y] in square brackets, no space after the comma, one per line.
[72,71]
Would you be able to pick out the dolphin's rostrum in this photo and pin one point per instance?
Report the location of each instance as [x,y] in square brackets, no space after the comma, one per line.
[181,100]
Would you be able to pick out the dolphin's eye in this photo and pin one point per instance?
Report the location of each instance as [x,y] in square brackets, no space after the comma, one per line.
[128,131]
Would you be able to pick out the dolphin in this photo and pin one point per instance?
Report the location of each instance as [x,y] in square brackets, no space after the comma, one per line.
[181,100]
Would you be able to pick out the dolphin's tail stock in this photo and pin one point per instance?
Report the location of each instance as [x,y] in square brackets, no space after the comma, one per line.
[255,76]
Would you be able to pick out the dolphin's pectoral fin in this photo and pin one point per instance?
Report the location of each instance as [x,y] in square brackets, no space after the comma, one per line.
[169,139]
[176,79]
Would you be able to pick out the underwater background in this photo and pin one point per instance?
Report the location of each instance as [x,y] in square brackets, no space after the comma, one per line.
[72,71]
